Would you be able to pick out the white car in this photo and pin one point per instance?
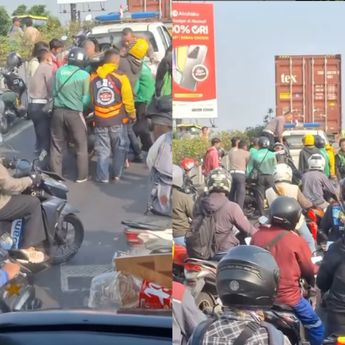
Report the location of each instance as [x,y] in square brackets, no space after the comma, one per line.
[294,138]
[156,32]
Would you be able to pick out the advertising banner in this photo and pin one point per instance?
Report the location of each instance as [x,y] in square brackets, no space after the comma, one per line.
[194,73]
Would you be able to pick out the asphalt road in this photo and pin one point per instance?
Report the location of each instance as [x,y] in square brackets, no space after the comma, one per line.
[102,207]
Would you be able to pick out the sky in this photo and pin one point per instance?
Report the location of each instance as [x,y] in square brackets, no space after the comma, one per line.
[249,35]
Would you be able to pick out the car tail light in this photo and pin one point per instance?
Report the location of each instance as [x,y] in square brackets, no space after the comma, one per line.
[311,216]
[192,267]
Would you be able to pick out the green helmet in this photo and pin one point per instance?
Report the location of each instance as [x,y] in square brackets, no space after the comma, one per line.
[219,180]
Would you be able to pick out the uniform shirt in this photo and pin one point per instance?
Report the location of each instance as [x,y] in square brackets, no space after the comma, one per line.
[75,94]
[276,126]
[239,159]
[41,83]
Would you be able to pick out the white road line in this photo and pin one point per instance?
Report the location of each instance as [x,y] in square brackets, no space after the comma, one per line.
[21,128]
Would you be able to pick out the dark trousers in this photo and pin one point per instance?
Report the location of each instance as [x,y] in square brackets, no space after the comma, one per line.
[41,121]
[238,188]
[141,128]
[264,182]
[72,122]
[133,140]
[28,207]
[335,323]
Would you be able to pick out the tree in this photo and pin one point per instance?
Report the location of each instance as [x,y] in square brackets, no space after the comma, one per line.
[38,10]
[20,10]
[5,21]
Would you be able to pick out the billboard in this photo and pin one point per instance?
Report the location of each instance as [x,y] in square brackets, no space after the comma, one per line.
[194,75]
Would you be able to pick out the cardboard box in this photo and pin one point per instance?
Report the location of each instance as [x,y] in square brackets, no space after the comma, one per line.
[156,268]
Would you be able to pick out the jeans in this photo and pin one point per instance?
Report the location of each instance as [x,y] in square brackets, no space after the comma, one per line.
[238,188]
[311,321]
[133,139]
[110,142]
[306,234]
[41,121]
[72,122]
[28,207]
[181,240]
[264,182]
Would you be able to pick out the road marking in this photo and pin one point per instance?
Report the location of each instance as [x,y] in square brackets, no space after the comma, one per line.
[21,128]
[80,271]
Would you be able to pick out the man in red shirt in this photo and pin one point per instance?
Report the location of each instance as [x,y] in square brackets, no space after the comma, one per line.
[293,257]
[211,159]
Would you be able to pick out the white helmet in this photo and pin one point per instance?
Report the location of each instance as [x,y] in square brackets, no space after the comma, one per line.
[282,172]
[316,162]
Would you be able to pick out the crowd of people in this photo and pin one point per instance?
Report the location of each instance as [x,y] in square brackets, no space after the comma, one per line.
[281,248]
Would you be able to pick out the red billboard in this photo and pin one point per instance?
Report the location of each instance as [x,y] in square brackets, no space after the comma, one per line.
[194,73]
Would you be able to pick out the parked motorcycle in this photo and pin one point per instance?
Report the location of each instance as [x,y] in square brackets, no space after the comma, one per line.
[64,230]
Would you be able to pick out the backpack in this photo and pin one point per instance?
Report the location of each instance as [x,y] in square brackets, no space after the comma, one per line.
[275,337]
[106,95]
[201,237]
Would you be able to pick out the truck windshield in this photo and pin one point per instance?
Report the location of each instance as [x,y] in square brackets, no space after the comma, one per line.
[147,34]
[294,141]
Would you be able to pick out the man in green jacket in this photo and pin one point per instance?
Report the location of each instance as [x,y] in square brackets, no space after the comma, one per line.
[71,96]
[264,161]
[144,91]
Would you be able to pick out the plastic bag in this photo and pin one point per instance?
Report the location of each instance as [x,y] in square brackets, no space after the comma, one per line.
[114,290]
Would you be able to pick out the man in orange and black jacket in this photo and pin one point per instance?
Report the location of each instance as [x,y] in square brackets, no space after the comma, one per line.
[113,102]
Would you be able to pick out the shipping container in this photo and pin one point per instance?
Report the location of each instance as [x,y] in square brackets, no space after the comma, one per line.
[309,87]
[161,6]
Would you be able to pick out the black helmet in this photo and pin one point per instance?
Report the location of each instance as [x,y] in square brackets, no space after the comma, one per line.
[77,57]
[247,276]
[264,142]
[319,141]
[13,60]
[285,212]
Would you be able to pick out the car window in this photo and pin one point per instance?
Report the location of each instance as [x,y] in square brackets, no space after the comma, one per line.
[167,35]
[161,34]
[294,141]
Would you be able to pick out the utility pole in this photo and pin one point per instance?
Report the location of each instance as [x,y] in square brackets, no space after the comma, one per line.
[73,12]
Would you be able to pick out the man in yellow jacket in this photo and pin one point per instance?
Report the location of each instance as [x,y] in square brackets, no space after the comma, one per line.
[331,156]
[113,102]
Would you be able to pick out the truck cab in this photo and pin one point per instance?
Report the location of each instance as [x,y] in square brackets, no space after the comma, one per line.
[294,134]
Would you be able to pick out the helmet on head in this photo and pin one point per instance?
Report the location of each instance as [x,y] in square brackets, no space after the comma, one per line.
[309,140]
[319,141]
[264,142]
[285,212]
[139,48]
[282,172]
[278,145]
[13,60]
[219,180]
[178,175]
[187,164]
[316,162]
[247,276]
[77,57]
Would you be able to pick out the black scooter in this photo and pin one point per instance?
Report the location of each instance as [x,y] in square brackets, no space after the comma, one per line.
[64,230]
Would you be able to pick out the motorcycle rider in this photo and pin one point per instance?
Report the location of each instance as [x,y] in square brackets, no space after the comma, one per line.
[307,151]
[247,283]
[294,260]
[14,207]
[332,223]
[283,186]
[71,96]
[159,157]
[264,162]
[340,160]
[320,144]
[182,206]
[330,280]
[315,185]
[228,216]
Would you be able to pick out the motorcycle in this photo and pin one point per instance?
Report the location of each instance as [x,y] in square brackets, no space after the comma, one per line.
[250,206]
[179,257]
[64,230]
[11,105]
[18,294]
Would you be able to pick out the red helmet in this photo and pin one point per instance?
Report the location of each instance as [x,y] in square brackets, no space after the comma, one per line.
[187,164]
